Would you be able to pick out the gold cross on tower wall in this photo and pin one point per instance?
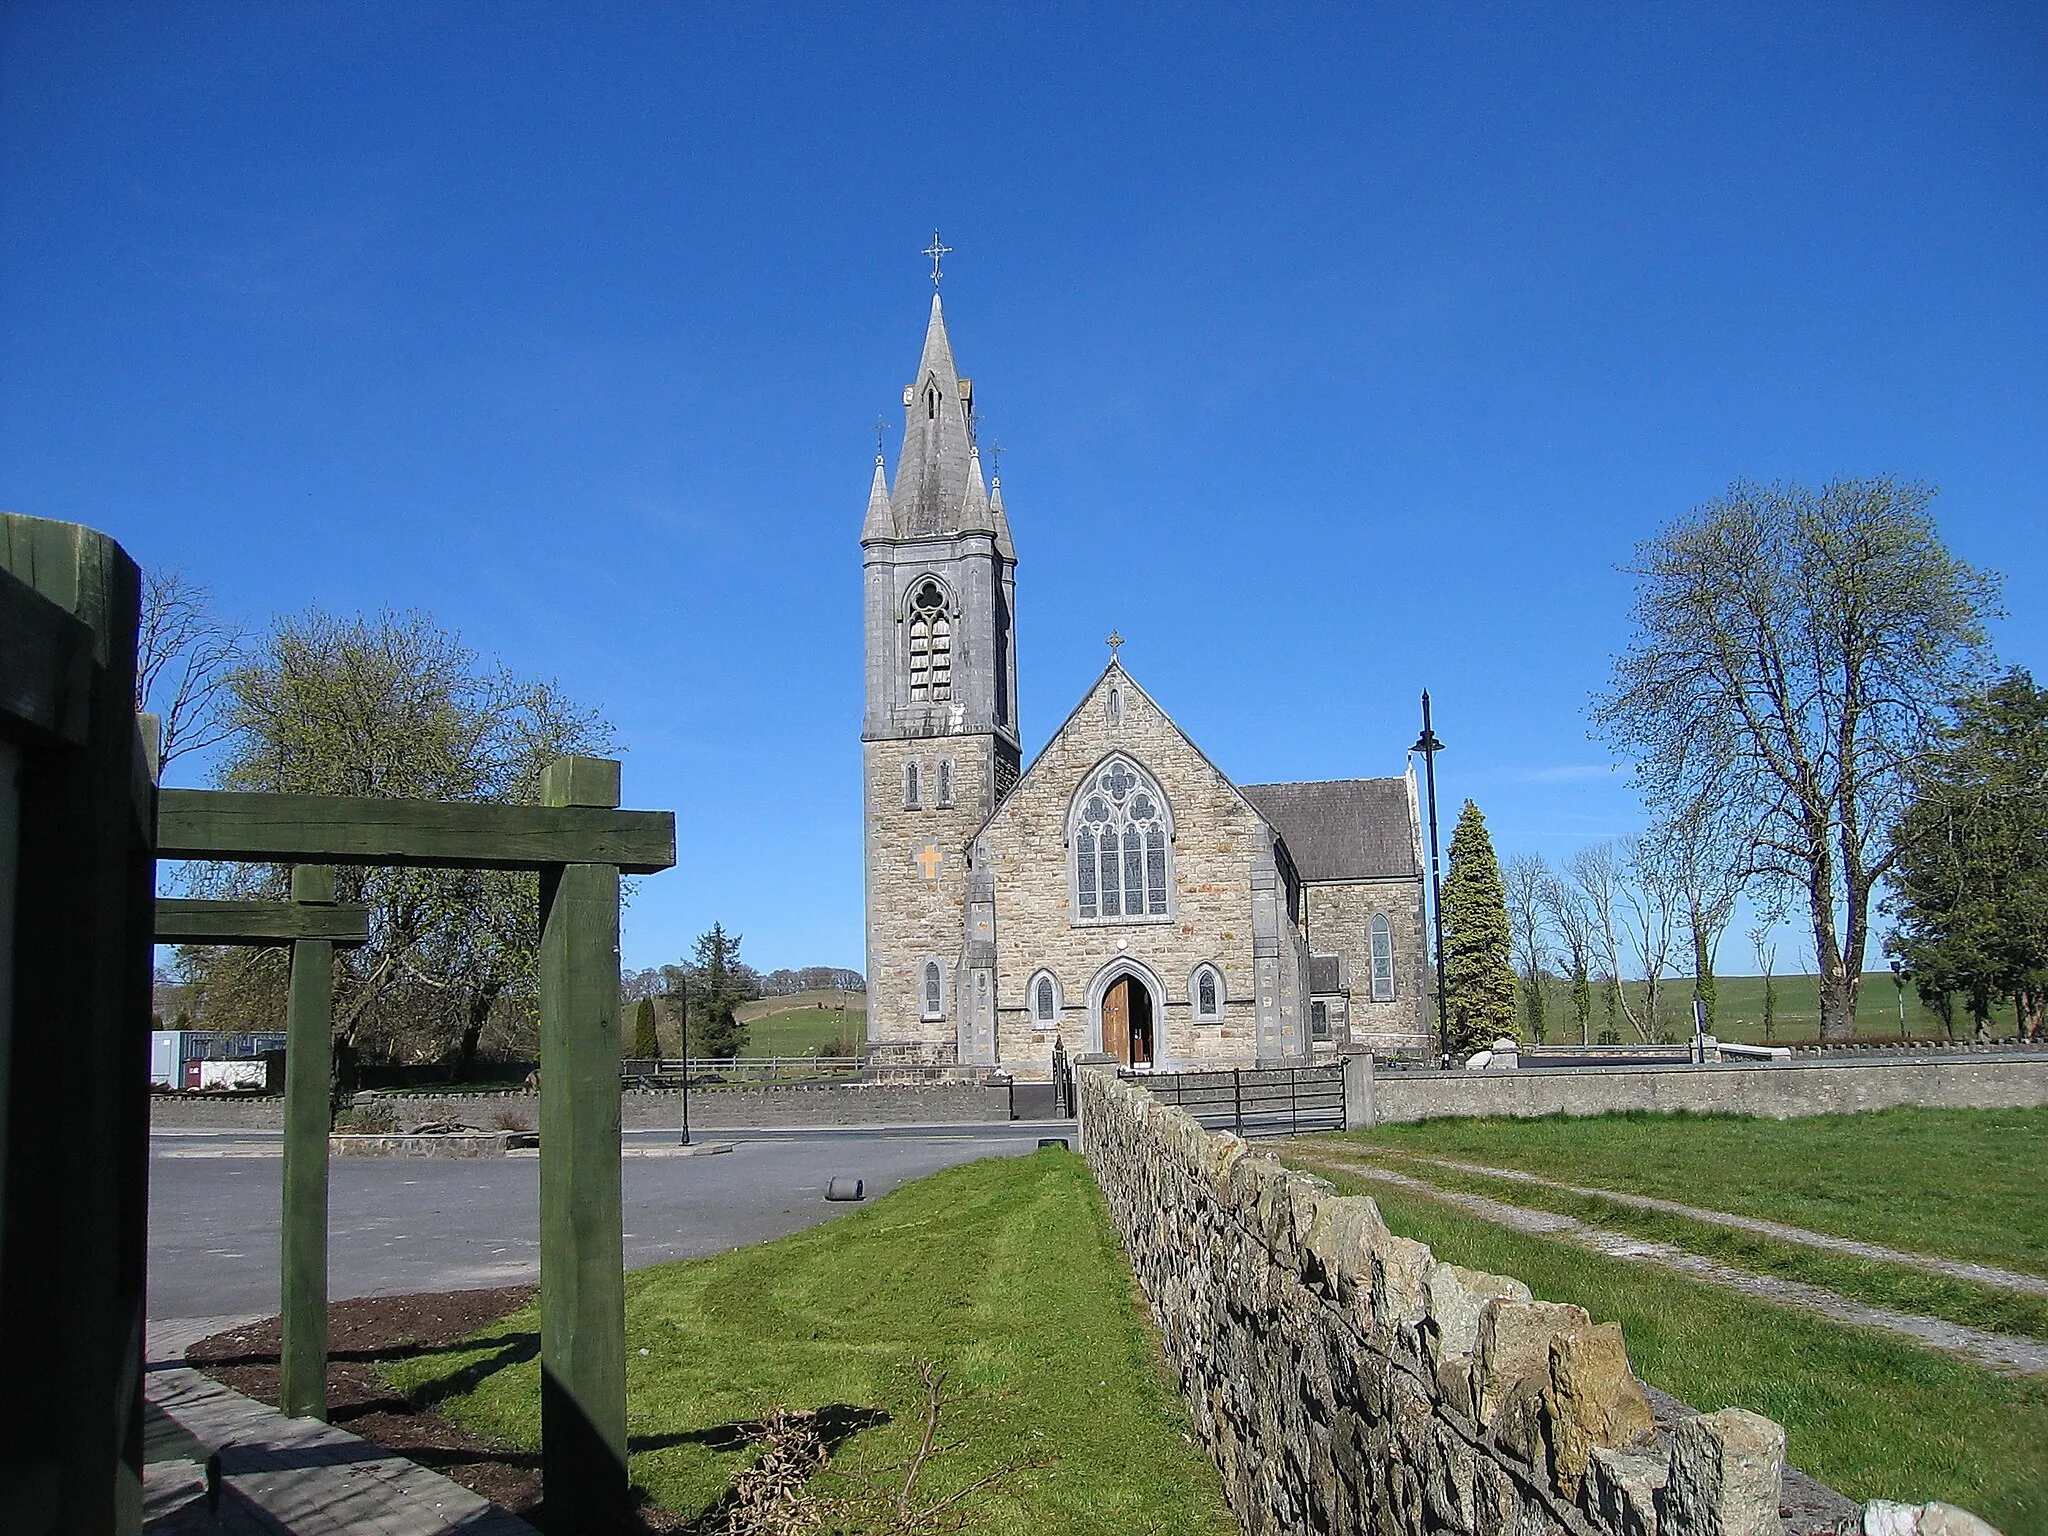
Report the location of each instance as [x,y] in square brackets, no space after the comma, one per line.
[928,859]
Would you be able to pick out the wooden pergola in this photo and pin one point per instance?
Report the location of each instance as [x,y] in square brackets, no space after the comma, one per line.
[82,825]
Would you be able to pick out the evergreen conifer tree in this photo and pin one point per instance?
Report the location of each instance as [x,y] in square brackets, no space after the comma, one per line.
[645,1046]
[717,986]
[1479,977]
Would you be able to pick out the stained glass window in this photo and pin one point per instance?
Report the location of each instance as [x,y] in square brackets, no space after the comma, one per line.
[1382,959]
[1122,861]
[945,782]
[1043,1004]
[933,993]
[1205,994]
[910,787]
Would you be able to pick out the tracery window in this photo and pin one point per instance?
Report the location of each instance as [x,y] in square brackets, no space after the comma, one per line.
[931,645]
[934,990]
[1119,838]
[1382,959]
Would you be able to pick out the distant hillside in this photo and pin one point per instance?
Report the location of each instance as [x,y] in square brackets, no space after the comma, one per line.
[830,998]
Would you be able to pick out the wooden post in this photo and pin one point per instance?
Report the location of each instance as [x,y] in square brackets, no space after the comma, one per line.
[582,1244]
[77,1157]
[302,1249]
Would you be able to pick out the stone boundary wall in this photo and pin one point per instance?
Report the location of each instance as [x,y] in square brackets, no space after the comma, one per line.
[1346,1381]
[1779,1091]
[725,1107]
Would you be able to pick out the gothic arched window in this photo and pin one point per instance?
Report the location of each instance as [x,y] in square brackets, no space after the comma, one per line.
[1382,959]
[1045,1001]
[1208,994]
[1119,835]
[931,645]
[934,990]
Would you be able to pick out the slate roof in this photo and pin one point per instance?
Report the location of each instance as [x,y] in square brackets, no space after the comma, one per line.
[1342,829]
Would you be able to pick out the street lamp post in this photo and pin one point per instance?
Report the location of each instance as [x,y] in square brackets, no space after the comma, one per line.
[1900,976]
[1429,746]
[683,992]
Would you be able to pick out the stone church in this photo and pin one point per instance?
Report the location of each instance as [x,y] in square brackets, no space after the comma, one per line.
[1120,893]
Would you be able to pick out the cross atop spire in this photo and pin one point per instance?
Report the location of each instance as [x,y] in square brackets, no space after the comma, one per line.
[1114,642]
[938,254]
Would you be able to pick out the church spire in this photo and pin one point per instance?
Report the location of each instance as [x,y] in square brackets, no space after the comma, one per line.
[881,521]
[1005,546]
[938,439]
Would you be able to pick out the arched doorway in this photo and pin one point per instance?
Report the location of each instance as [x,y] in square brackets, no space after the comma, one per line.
[1129,1029]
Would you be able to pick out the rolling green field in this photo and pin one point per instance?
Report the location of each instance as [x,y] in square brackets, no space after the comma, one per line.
[1004,1273]
[804,1023]
[1739,1010]
[1960,1183]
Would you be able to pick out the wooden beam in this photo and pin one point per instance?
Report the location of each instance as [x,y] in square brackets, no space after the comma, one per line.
[582,1244]
[342,829]
[180,921]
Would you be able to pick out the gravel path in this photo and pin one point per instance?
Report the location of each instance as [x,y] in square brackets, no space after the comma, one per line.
[1955,1269]
[1995,1351]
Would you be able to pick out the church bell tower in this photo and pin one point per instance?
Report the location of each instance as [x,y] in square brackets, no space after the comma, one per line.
[939,737]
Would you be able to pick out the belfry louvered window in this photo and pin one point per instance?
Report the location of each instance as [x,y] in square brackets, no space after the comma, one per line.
[1119,838]
[931,646]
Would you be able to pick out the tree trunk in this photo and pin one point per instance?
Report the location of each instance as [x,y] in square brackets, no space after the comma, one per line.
[1837,985]
[481,1002]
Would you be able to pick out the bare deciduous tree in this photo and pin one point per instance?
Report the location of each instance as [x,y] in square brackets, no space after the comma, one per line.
[1525,878]
[185,656]
[1793,649]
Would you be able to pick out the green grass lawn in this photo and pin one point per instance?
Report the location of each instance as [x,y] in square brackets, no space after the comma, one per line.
[1960,1183]
[1739,1010]
[1005,1273]
[1899,1287]
[1871,1416]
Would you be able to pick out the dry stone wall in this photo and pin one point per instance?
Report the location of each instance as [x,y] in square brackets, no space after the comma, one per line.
[1347,1381]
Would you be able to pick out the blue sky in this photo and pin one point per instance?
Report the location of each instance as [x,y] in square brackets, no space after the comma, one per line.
[1336,351]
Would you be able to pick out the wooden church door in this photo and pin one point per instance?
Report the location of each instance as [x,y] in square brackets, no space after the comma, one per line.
[1116,1020]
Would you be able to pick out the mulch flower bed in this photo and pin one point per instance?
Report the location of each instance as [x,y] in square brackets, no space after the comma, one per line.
[370,1329]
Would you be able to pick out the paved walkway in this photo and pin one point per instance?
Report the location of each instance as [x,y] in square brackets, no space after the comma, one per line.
[275,1474]
[1995,1351]
[1955,1269]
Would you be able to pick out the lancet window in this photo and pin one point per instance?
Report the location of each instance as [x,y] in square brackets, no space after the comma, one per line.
[1382,959]
[1121,846]
[931,646]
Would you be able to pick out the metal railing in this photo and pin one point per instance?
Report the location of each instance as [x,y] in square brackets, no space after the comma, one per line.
[1254,1101]
[668,1072]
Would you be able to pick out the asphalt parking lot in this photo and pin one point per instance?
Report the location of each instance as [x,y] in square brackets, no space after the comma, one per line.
[416,1224]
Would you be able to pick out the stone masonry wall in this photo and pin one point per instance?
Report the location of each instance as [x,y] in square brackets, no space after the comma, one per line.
[1340,923]
[1346,1381]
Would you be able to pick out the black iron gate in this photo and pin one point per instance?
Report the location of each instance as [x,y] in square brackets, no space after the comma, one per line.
[1254,1101]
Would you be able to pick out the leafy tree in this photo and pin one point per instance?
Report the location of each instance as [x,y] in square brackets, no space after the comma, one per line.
[1793,649]
[1479,978]
[646,1047]
[393,706]
[1525,880]
[718,984]
[1971,871]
